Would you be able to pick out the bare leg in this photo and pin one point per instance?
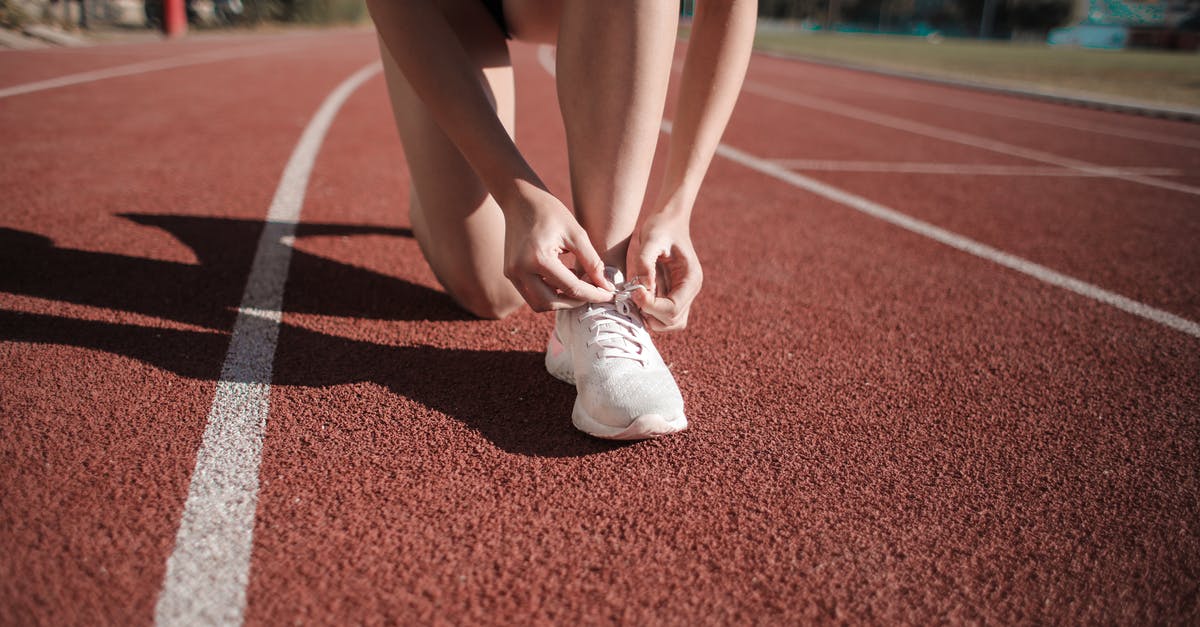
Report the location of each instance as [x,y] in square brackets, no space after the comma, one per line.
[458,225]
[614,61]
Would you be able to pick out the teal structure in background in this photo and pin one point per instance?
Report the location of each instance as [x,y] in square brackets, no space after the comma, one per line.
[1106,23]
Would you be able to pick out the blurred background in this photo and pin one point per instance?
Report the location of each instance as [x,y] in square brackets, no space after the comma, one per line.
[1139,50]
[103,15]
[1110,24]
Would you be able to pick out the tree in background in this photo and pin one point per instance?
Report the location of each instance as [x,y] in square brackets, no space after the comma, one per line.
[785,9]
[1037,15]
[12,15]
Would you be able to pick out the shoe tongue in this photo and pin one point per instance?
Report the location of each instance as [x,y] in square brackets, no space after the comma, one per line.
[613,274]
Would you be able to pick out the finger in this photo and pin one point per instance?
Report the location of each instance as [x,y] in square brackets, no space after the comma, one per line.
[652,323]
[686,290]
[546,294]
[682,279]
[592,264]
[659,326]
[557,275]
[642,265]
[643,298]
[670,312]
[535,301]
[540,297]
[662,309]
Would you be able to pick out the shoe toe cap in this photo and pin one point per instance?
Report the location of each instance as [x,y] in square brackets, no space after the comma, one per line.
[618,401]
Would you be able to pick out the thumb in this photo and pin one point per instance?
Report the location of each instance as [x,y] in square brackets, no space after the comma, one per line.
[644,299]
[589,260]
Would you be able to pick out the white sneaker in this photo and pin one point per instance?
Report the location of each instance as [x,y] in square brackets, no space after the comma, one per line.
[625,390]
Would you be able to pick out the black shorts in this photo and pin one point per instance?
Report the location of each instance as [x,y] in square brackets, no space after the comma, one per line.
[496,8]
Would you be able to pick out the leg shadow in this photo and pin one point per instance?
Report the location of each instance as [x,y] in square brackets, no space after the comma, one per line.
[208,293]
[506,396]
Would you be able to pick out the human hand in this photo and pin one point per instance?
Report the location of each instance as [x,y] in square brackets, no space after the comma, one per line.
[538,231]
[662,258]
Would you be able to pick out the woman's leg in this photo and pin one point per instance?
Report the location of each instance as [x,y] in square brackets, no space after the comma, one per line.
[458,226]
[614,62]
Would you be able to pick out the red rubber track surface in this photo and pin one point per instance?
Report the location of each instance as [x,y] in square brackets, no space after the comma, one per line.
[884,429]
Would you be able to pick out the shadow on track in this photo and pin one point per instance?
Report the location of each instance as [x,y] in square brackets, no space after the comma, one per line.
[208,293]
[505,395]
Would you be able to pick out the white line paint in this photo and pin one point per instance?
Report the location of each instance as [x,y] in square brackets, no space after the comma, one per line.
[954,240]
[977,105]
[938,234]
[910,167]
[209,569]
[1050,120]
[966,139]
[142,67]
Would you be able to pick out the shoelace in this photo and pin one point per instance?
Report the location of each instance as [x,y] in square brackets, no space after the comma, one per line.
[615,326]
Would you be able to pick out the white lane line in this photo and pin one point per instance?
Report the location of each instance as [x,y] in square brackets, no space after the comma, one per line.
[143,67]
[911,167]
[976,106]
[954,240]
[209,569]
[1050,120]
[966,139]
[938,234]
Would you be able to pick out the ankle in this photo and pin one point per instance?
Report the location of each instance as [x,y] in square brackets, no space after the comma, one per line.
[613,253]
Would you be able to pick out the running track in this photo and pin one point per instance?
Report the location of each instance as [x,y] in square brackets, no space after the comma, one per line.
[944,367]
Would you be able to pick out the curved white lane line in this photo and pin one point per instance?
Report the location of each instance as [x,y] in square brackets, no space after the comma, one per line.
[938,234]
[209,569]
[142,67]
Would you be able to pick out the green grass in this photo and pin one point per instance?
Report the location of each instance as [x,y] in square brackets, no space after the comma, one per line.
[1157,77]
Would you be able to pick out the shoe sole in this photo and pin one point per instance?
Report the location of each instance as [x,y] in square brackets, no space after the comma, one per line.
[646,427]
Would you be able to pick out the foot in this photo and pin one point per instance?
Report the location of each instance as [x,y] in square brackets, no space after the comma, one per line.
[625,390]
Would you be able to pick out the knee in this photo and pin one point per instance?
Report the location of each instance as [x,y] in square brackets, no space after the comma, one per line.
[487,302]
